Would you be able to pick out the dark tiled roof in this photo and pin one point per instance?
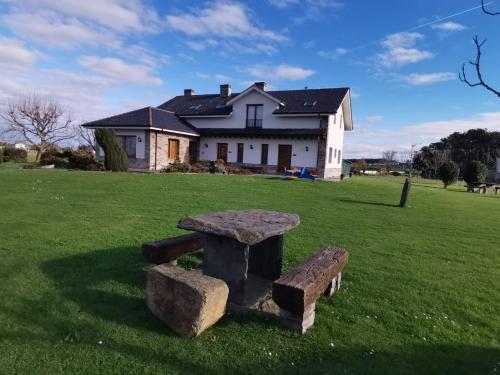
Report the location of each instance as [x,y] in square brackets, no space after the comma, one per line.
[327,101]
[256,132]
[145,117]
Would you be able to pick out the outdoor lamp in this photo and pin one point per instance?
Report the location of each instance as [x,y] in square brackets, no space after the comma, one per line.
[307,148]
[251,147]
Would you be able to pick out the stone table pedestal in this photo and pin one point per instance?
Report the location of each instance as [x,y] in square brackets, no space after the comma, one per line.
[240,243]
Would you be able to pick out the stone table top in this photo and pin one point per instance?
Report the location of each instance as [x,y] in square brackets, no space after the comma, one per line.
[246,226]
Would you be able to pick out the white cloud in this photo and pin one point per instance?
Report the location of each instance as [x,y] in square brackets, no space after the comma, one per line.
[201,45]
[119,71]
[308,9]
[121,15]
[416,79]
[400,49]
[334,54]
[223,19]
[355,94]
[222,78]
[449,26]
[14,54]
[279,72]
[374,118]
[369,141]
[51,30]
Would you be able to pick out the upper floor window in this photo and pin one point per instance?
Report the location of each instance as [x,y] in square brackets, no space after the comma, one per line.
[254,115]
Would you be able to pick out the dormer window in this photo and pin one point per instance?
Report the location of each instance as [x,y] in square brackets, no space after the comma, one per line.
[254,115]
[195,107]
[310,103]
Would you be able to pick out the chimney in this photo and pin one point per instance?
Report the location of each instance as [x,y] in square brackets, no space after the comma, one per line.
[225,90]
[261,85]
[188,92]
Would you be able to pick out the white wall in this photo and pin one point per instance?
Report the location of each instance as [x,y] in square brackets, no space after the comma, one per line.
[300,157]
[270,121]
[335,139]
[139,146]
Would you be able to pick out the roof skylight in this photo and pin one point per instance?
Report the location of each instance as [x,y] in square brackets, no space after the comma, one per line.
[195,106]
[310,103]
[220,105]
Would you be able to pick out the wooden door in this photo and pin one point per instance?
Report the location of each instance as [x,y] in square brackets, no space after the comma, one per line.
[173,149]
[284,157]
[222,151]
[193,152]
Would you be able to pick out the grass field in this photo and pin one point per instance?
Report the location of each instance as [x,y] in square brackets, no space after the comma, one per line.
[421,292]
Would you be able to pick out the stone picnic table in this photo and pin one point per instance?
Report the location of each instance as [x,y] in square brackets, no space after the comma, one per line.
[242,245]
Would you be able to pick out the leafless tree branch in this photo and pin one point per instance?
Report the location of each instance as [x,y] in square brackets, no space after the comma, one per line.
[483,5]
[87,137]
[477,66]
[38,119]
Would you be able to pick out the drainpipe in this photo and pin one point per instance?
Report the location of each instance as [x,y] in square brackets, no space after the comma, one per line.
[156,146]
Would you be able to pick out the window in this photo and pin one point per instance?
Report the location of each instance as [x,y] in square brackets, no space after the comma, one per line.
[310,103]
[239,158]
[173,149]
[220,106]
[335,153]
[338,161]
[330,151]
[128,143]
[195,107]
[254,115]
[340,123]
[263,154]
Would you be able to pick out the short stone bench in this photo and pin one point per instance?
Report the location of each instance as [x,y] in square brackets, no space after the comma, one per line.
[188,302]
[297,291]
[169,249]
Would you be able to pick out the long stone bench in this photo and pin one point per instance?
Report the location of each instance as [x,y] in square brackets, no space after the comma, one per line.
[169,249]
[297,291]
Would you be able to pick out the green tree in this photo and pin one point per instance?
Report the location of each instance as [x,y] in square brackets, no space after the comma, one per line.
[475,173]
[448,173]
[115,157]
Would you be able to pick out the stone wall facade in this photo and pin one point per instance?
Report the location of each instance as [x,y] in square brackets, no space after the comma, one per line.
[157,149]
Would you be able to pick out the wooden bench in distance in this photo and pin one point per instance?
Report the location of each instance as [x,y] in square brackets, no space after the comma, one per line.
[297,291]
[169,249]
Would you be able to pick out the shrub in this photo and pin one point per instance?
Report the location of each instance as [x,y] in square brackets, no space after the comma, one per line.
[396,173]
[177,166]
[475,173]
[82,159]
[115,157]
[57,161]
[1,155]
[16,155]
[448,173]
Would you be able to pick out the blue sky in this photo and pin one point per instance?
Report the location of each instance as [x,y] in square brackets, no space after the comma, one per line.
[400,58]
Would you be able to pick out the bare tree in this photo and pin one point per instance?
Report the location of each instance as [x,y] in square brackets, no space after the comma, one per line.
[86,137]
[389,157]
[477,62]
[38,119]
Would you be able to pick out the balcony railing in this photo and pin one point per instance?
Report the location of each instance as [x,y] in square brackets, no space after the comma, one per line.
[254,123]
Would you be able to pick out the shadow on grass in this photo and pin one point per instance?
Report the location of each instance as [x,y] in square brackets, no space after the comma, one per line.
[109,285]
[369,203]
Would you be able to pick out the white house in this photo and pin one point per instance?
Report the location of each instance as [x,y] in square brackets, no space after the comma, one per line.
[270,130]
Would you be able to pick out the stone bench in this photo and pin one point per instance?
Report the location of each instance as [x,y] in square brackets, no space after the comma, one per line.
[169,249]
[297,291]
[188,302]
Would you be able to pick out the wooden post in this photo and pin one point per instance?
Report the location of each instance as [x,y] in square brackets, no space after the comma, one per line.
[405,193]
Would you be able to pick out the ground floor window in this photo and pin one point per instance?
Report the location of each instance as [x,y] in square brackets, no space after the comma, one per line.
[330,152]
[263,154]
[173,149]
[128,143]
[241,147]
[338,161]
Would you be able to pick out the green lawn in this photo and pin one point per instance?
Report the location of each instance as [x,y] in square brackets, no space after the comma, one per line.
[421,292]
